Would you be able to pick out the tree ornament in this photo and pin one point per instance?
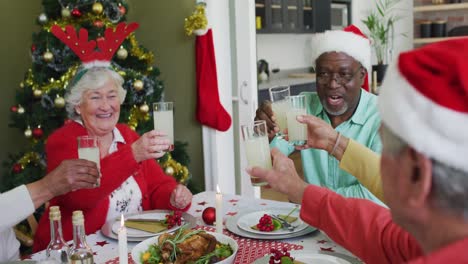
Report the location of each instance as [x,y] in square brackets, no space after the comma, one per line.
[37,93]
[122,73]
[122,53]
[48,56]
[209,215]
[17,168]
[150,68]
[169,170]
[76,13]
[21,84]
[14,109]
[122,9]
[98,23]
[20,110]
[59,102]
[65,12]
[138,85]
[37,132]
[97,8]
[42,19]
[144,108]
[33,48]
[28,132]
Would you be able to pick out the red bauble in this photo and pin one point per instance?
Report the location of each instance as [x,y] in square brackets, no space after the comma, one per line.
[17,168]
[122,10]
[14,109]
[76,13]
[37,133]
[209,215]
[98,23]
[33,48]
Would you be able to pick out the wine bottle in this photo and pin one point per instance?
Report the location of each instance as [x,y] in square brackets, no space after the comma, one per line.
[57,249]
[80,252]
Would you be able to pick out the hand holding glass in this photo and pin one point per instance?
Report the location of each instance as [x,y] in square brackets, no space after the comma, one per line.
[297,132]
[88,149]
[257,148]
[163,118]
[280,104]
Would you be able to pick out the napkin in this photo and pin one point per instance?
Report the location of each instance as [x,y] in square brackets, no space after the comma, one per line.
[148,226]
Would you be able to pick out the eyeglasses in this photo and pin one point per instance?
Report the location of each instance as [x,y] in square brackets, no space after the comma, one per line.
[341,78]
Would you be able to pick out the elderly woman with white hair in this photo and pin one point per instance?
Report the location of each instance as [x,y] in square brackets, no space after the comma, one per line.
[131,180]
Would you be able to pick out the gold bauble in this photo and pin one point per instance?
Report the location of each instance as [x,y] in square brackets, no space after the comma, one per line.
[144,108]
[28,132]
[150,68]
[138,85]
[21,84]
[169,170]
[48,56]
[42,18]
[59,102]
[20,110]
[66,13]
[122,53]
[37,93]
[122,73]
[97,8]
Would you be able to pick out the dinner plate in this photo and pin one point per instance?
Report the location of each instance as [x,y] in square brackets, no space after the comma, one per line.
[309,256]
[231,225]
[131,232]
[248,220]
[143,246]
[107,228]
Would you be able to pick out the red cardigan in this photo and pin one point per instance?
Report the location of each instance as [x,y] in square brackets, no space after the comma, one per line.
[156,187]
[367,230]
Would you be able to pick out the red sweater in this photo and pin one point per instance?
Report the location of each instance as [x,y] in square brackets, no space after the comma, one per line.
[367,230]
[155,186]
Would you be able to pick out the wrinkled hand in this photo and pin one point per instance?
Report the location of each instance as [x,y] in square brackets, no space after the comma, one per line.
[282,177]
[181,196]
[265,112]
[320,134]
[151,145]
[72,175]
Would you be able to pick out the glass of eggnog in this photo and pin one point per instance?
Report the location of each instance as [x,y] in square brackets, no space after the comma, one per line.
[88,149]
[163,118]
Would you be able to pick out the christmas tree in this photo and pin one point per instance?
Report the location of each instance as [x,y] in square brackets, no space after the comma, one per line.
[39,108]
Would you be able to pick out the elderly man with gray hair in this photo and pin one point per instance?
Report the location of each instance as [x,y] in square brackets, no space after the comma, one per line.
[424,168]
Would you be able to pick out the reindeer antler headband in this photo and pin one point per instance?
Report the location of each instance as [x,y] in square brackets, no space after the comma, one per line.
[86,50]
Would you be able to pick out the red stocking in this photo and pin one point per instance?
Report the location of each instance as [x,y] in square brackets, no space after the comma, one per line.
[210,112]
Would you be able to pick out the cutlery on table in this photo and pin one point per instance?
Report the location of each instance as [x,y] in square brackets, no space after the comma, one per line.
[284,223]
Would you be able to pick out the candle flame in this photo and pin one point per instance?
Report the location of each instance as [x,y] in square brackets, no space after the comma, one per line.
[122,221]
[217,189]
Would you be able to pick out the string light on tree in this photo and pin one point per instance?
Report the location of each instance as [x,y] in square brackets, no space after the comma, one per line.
[28,132]
[48,56]
[138,85]
[42,18]
[37,93]
[122,53]
[97,8]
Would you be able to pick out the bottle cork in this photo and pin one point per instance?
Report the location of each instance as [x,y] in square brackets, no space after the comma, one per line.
[78,218]
[54,213]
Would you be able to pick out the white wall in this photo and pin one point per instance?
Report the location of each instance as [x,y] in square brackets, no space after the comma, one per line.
[285,51]
[290,51]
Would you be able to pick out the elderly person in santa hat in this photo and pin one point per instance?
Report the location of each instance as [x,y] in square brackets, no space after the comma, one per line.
[423,104]
[342,61]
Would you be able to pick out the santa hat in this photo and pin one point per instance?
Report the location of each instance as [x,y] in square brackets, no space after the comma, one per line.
[424,101]
[350,40]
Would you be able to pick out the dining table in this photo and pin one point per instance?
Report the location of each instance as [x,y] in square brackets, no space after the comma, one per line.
[105,247]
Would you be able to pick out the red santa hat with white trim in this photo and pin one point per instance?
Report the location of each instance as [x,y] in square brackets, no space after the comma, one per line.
[350,40]
[424,101]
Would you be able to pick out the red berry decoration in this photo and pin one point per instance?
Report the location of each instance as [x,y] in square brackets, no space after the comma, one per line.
[76,13]
[17,168]
[37,133]
[14,109]
[277,255]
[173,219]
[33,48]
[209,215]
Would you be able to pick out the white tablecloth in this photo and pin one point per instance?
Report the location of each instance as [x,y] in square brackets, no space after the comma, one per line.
[106,249]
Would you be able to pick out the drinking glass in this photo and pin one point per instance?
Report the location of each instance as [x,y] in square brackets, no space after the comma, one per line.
[280,105]
[163,118]
[88,149]
[297,132]
[257,148]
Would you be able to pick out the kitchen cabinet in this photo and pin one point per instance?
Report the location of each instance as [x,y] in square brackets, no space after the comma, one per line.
[425,12]
[263,94]
[292,16]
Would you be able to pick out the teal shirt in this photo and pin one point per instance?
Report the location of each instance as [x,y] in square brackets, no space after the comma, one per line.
[322,169]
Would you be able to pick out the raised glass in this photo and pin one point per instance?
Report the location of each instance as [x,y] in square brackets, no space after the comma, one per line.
[163,117]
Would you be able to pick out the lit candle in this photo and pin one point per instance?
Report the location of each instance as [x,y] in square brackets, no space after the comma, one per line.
[123,251]
[219,211]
